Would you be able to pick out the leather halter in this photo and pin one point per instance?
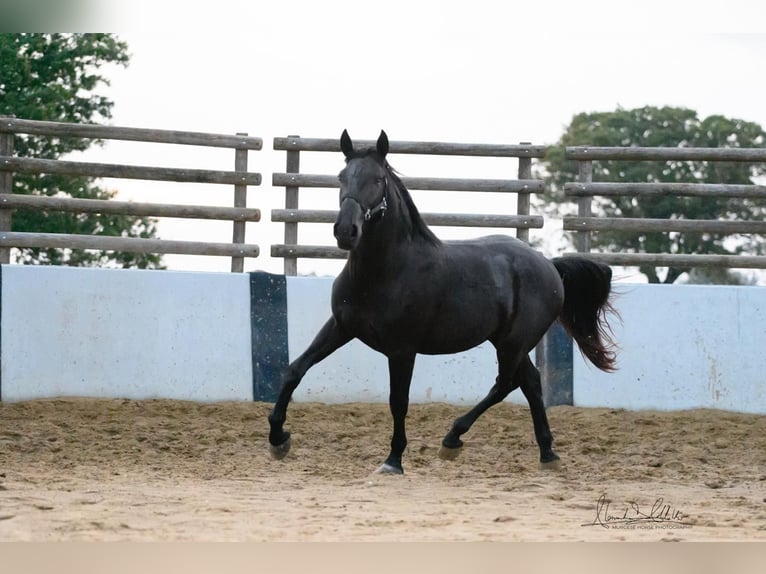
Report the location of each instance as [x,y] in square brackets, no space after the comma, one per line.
[371,212]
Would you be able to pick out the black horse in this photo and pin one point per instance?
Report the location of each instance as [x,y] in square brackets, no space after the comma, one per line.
[404,292]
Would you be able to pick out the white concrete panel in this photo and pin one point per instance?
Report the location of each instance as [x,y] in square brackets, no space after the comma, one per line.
[357,373]
[682,347]
[125,333]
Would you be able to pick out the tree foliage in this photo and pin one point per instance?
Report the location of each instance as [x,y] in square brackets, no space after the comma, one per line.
[668,127]
[56,77]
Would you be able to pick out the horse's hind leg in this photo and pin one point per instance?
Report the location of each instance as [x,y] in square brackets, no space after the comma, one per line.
[329,338]
[528,378]
[504,384]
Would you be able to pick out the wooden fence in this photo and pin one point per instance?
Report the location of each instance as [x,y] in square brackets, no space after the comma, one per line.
[292,180]
[584,190]
[240,178]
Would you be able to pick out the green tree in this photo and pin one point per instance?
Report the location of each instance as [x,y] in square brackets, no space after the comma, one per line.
[56,77]
[669,127]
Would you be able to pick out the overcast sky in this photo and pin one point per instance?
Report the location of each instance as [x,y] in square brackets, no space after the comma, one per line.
[495,72]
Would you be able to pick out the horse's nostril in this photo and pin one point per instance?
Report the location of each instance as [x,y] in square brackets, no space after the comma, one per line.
[349,231]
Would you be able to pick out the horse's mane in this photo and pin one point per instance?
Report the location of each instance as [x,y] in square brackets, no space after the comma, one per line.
[419,226]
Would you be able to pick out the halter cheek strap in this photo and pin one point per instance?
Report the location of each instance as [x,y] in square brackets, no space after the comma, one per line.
[380,208]
[371,212]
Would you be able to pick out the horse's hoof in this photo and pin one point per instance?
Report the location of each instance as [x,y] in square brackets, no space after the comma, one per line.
[386,468]
[447,453]
[554,464]
[279,451]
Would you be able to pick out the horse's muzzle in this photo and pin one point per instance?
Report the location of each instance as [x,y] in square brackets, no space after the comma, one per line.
[349,241]
[348,225]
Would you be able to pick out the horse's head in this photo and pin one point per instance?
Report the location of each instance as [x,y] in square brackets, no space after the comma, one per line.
[363,190]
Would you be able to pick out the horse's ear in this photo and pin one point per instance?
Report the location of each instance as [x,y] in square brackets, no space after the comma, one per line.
[382,145]
[345,145]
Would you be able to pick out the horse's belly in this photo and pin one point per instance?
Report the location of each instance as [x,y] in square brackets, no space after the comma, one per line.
[444,346]
[406,337]
[449,345]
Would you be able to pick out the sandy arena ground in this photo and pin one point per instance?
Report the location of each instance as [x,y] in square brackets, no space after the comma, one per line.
[82,469]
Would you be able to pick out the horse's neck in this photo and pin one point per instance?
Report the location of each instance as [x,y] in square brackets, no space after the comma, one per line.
[385,247]
[380,248]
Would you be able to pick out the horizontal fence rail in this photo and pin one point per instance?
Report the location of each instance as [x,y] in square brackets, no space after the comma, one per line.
[585,190]
[240,178]
[307,252]
[712,190]
[639,225]
[128,244]
[99,132]
[437,219]
[592,153]
[76,205]
[419,183]
[292,180]
[296,143]
[183,175]
[679,260]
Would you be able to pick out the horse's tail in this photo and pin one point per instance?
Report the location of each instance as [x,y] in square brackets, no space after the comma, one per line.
[587,288]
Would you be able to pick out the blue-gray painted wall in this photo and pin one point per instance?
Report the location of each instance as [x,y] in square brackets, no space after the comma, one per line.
[220,336]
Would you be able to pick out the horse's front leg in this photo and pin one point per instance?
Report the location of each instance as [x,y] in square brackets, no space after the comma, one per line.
[329,338]
[400,373]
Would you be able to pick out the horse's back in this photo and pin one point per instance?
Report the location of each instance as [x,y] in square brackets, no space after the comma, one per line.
[505,259]
[506,283]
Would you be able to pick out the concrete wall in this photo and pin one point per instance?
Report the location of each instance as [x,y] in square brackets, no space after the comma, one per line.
[212,336]
[683,346]
[118,333]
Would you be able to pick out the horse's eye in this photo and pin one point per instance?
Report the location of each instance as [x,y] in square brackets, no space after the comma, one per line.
[380,180]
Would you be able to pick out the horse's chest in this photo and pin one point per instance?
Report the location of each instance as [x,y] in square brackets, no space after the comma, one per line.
[380,325]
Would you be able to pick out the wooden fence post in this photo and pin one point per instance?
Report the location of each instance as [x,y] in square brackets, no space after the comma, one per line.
[522,198]
[584,175]
[6,186]
[240,200]
[291,202]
